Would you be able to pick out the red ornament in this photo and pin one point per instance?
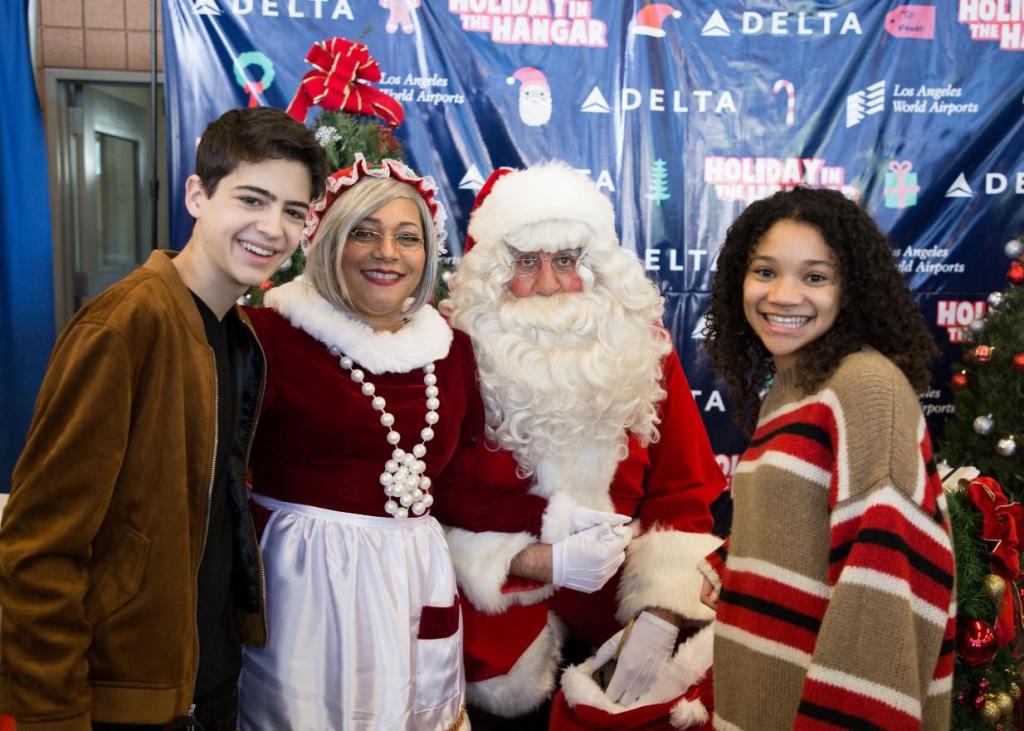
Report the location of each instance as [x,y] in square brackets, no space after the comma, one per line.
[983,684]
[983,353]
[978,702]
[961,699]
[976,644]
[959,381]
[1018,362]
[1016,273]
[266,284]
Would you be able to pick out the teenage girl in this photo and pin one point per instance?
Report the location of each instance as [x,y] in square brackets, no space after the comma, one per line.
[835,598]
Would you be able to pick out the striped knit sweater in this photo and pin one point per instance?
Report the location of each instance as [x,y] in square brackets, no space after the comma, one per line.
[837,605]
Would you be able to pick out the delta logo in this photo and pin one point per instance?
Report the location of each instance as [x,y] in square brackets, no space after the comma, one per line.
[316,9]
[473,179]
[783,23]
[993,184]
[957,315]
[676,101]
[995,21]
[532,22]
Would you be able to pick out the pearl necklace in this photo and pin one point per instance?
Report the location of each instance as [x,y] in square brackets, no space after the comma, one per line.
[403,480]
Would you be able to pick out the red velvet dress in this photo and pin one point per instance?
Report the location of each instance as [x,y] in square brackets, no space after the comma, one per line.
[365,628]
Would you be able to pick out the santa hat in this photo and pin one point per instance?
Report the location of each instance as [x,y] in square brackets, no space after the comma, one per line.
[551,191]
[680,698]
[529,76]
[648,21]
[342,180]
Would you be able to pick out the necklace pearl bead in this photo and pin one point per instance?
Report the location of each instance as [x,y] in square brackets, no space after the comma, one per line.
[403,476]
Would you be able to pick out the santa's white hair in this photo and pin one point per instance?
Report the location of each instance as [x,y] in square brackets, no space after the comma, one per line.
[567,375]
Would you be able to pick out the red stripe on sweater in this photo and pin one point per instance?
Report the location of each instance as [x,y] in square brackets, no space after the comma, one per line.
[762,623]
[796,445]
[893,561]
[855,705]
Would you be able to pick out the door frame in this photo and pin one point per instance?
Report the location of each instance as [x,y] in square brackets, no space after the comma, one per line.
[63,175]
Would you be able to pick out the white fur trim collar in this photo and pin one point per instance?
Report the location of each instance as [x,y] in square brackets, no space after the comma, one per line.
[424,339]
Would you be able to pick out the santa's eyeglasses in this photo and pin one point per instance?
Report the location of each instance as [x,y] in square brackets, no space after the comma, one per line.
[528,264]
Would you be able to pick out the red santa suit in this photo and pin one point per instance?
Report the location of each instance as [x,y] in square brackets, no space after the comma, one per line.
[641,450]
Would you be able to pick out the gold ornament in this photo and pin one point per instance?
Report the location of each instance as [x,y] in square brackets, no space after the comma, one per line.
[1014,691]
[1005,703]
[990,712]
[995,585]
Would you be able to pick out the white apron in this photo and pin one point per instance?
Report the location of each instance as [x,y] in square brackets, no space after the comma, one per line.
[351,646]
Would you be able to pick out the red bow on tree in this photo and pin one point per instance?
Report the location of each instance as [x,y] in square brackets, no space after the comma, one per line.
[1003,523]
[340,80]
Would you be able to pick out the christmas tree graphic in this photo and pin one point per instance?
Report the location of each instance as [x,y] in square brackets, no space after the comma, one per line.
[658,189]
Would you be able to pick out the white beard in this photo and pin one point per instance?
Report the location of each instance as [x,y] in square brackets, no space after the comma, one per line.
[564,379]
[534,111]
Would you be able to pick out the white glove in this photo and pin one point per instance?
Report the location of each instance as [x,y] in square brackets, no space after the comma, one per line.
[586,560]
[583,518]
[648,645]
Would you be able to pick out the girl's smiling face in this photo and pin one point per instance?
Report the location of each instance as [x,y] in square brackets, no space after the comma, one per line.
[791,292]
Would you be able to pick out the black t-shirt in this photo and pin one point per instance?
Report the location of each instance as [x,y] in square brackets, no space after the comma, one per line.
[220,650]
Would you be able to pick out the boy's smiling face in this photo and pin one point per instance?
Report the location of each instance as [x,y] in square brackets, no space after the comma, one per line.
[252,222]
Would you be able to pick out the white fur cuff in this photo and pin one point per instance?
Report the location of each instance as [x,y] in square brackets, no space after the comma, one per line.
[661,571]
[557,522]
[482,562]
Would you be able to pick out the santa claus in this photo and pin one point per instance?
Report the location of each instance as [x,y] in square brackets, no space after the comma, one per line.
[590,420]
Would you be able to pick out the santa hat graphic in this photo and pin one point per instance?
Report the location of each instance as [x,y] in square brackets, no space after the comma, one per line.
[648,21]
[529,76]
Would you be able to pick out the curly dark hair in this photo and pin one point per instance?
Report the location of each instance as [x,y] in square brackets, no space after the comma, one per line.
[876,308]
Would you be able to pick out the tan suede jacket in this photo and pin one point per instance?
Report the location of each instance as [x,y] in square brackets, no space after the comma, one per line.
[101,540]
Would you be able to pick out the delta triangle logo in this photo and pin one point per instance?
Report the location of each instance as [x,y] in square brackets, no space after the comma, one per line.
[205,7]
[960,188]
[716,27]
[472,180]
[596,103]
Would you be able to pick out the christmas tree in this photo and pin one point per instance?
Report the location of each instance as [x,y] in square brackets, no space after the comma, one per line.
[986,514]
[658,186]
[363,121]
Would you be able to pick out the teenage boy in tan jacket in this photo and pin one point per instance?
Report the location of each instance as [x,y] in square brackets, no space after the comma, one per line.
[129,566]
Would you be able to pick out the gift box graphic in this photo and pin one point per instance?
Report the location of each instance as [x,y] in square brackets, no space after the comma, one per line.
[900,185]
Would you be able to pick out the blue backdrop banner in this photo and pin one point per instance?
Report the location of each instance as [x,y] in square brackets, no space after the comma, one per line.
[682,113]
[26,273]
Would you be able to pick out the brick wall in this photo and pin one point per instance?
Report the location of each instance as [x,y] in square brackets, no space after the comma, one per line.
[97,34]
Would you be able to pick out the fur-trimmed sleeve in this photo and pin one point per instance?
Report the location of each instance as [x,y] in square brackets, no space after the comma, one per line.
[681,482]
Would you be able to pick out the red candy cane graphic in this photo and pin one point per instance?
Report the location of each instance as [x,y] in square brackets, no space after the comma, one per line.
[790,99]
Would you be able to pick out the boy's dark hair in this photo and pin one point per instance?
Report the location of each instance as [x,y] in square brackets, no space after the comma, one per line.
[254,135]
[876,308]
